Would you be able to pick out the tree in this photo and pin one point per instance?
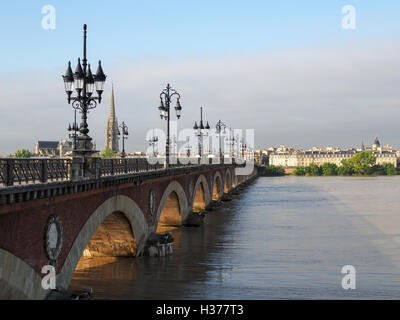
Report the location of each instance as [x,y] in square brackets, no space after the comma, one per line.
[345,169]
[22,153]
[389,169]
[274,171]
[329,169]
[362,162]
[378,169]
[300,171]
[313,170]
[107,153]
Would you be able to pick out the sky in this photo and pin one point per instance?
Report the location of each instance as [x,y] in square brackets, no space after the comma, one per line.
[286,69]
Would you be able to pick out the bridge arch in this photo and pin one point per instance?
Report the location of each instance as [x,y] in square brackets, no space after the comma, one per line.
[201,194]
[173,207]
[228,181]
[218,189]
[119,204]
[18,280]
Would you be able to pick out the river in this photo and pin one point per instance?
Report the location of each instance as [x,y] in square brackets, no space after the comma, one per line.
[281,238]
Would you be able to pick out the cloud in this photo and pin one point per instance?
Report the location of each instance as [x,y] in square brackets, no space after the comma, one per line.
[334,96]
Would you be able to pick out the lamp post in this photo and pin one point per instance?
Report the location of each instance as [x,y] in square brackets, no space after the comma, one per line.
[244,148]
[75,129]
[201,130]
[125,134]
[152,142]
[231,142]
[188,148]
[83,82]
[164,108]
[220,126]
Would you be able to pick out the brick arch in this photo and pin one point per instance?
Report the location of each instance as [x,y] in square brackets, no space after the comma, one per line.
[119,203]
[201,181]
[173,187]
[228,181]
[218,178]
[18,280]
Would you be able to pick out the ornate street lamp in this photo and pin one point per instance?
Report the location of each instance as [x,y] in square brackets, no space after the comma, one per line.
[200,131]
[164,108]
[244,148]
[152,142]
[83,83]
[221,128]
[188,147]
[125,134]
[231,141]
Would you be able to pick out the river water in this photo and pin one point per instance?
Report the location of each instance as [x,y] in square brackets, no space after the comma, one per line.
[281,238]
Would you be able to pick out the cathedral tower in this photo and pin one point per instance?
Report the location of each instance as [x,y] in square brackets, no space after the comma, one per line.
[112,127]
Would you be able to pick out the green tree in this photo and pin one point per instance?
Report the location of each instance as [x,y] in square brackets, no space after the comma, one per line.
[274,171]
[345,169]
[22,153]
[329,169]
[389,169]
[300,171]
[378,169]
[107,153]
[362,162]
[313,170]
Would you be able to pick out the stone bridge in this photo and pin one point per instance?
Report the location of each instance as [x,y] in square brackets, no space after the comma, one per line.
[111,213]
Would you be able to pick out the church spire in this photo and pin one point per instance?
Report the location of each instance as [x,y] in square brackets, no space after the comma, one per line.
[112,105]
[112,139]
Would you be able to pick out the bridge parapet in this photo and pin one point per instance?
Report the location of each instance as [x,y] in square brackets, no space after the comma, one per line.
[24,171]
[15,171]
[138,174]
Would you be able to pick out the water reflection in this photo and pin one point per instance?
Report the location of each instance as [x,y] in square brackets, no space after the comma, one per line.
[282,238]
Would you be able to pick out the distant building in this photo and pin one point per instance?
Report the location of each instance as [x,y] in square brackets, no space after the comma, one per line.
[112,138]
[52,148]
[287,157]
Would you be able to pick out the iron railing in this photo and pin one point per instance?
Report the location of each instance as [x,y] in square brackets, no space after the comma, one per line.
[27,171]
[15,171]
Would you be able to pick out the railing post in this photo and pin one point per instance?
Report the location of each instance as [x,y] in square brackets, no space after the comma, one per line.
[112,166]
[43,171]
[9,173]
[125,165]
[77,168]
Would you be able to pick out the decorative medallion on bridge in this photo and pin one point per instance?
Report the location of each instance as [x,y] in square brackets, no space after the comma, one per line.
[53,238]
[152,203]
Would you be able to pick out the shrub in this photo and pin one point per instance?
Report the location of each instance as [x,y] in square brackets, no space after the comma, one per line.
[300,171]
[329,169]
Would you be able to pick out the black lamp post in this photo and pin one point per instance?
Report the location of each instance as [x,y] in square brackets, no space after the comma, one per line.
[164,108]
[152,142]
[220,126]
[188,147]
[244,148]
[83,82]
[232,142]
[125,134]
[200,131]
